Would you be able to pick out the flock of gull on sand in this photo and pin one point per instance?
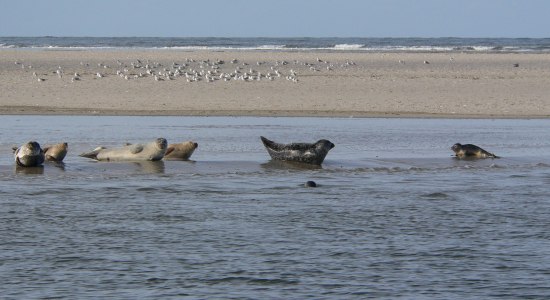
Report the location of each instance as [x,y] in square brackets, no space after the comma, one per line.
[192,70]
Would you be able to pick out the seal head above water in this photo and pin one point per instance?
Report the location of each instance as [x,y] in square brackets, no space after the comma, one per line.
[29,155]
[471,151]
[298,152]
[152,151]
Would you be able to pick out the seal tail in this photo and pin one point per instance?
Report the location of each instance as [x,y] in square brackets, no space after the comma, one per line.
[268,143]
[93,154]
[489,154]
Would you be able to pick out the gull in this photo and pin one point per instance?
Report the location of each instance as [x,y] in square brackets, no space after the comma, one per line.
[41,79]
[99,75]
[75,78]
[426,62]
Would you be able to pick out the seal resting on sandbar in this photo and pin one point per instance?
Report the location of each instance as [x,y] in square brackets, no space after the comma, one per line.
[29,155]
[471,151]
[298,152]
[180,151]
[152,151]
[56,152]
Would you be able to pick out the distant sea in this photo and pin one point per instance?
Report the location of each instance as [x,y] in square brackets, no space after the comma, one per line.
[445,44]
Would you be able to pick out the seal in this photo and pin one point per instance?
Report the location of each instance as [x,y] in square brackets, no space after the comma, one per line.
[180,151]
[471,151]
[298,152]
[56,152]
[152,151]
[29,155]
[311,184]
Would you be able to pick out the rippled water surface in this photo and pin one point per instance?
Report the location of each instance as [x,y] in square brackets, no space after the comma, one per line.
[394,215]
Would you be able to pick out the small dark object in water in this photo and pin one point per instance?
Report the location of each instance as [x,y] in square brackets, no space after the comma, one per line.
[310,184]
[516,65]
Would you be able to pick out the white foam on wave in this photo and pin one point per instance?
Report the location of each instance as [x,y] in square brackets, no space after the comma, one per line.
[348,46]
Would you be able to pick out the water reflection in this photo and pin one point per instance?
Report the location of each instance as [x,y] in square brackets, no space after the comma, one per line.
[292,165]
[29,170]
[150,167]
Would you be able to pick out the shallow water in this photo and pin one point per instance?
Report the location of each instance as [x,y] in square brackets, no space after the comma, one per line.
[394,216]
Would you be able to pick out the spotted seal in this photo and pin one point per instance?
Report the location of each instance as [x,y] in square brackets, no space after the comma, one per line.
[56,152]
[471,151]
[298,152]
[180,151]
[29,155]
[152,151]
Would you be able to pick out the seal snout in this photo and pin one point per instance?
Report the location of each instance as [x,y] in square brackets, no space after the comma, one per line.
[196,145]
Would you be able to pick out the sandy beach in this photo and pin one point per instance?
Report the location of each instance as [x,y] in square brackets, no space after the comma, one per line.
[272,83]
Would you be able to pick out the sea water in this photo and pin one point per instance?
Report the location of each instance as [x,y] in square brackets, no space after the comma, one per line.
[394,214]
[356,44]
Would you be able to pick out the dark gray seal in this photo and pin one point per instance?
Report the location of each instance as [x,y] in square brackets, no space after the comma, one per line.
[471,151]
[29,155]
[298,152]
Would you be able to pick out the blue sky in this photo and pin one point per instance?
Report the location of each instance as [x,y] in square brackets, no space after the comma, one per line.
[276,18]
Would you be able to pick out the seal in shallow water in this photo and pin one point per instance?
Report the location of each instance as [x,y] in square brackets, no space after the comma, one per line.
[299,152]
[180,151]
[152,151]
[56,152]
[29,155]
[471,151]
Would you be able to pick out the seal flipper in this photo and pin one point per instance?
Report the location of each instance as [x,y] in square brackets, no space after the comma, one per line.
[18,162]
[134,149]
[93,154]
[169,150]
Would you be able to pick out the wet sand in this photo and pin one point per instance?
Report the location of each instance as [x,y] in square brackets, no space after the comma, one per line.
[461,85]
